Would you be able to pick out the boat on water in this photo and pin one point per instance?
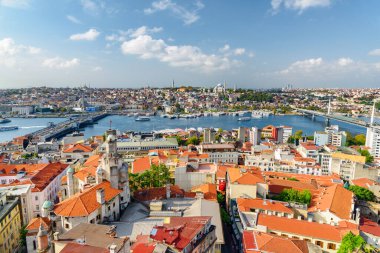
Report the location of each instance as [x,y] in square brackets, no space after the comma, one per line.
[8,128]
[257,116]
[141,118]
[244,119]
[4,120]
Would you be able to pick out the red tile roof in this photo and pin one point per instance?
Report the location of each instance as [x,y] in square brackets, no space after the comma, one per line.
[370,227]
[73,247]
[254,241]
[364,182]
[335,199]
[77,147]
[278,185]
[209,191]
[141,164]
[304,228]
[245,205]
[84,203]
[157,193]
[35,224]
[180,231]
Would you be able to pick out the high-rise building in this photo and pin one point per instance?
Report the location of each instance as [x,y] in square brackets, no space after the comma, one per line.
[254,136]
[241,134]
[373,137]
[331,136]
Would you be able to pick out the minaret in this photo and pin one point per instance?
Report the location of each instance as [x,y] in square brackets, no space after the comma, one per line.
[173,84]
[225,85]
[373,114]
[42,240]
[70,182]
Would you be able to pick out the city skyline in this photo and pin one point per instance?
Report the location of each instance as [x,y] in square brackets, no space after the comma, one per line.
[261,44]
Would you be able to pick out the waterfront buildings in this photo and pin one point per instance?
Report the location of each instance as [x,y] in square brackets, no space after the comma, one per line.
[373,141]
[331,136]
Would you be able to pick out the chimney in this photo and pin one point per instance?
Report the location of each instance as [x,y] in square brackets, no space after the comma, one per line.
[357,217]
[113,248]
[42,239]
[100,196]
[199,195]
[168,191]
[56,236]
[309,219]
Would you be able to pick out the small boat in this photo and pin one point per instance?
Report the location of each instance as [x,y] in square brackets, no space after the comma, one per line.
[257,116]
[244,119]
[141,118]
[4,120]
[8,128]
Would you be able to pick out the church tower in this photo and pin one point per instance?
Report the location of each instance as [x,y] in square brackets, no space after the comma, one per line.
[114,169]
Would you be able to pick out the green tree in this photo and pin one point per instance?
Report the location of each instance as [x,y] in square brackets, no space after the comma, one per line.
[368,157]
[298,134]
[225,217]
[360,139]
[362,193]
[291,195]
[221,198]
[23,232]
[193,140]
[351,243]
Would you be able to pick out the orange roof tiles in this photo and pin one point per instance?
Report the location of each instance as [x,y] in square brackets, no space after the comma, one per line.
[209,191]
[304,228]
[335,199]
[278,185]
[363,182]
[254,241]
[73,247]
[93,160]
[77,147]
[141,164]
[84,203]
[245,176]
[370,227]
[35,224]
[245,205]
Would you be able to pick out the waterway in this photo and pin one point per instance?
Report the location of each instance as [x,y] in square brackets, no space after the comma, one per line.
[124,123]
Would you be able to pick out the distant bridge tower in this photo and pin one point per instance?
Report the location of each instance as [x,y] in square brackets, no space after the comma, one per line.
[328,113]
[329,108]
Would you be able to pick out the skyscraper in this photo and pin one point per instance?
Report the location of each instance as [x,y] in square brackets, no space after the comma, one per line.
[373,136]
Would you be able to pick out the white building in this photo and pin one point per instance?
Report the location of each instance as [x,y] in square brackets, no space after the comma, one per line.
[22,110]
[373,140]
[254,136]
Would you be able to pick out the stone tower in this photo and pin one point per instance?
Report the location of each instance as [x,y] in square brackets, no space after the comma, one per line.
[114,169]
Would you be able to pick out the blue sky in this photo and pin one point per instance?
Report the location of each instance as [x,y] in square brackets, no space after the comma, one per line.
[134,43]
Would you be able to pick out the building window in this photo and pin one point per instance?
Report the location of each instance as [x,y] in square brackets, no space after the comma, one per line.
[37,207]
[319,243]
[36,198]
[331,246]
[34,245]
[67,226]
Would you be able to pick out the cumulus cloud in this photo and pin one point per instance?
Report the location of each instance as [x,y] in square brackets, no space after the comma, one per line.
[228,51]
[146,47]
[188,16]
[21,4]
[8,47]
[298,5]
[239,51]
[303,66]
[60,63]
[345,61]
[73,19]
[91,34]
[375,52]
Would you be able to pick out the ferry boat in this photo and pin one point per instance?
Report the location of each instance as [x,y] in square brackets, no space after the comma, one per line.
[4,120]
[244,119]
[141,118]
[8,128]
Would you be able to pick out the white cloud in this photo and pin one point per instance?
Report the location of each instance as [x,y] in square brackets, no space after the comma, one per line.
[225,48]
[73,19]
[8,47]
[187,16]
[131,33]
[189,56]
[90,6]
[91,34]
[298,5]
[375,52]
[303,66]
[60,63]
[344,62]
[239,51]
[97,69]
[21,4]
